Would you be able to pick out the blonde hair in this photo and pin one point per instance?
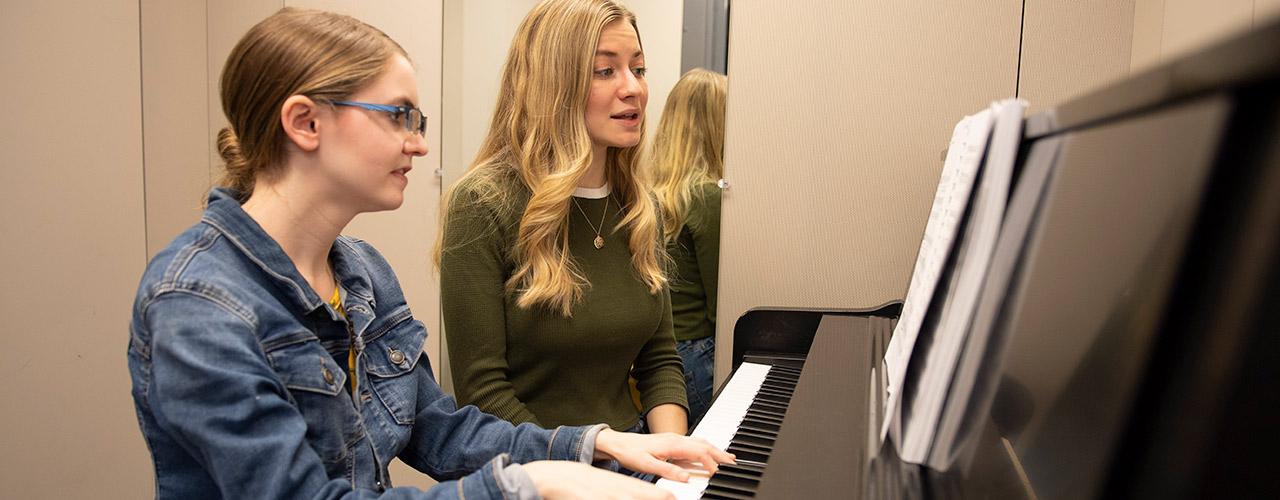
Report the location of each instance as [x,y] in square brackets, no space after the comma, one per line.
[689,147]
[321,55]
[538,135]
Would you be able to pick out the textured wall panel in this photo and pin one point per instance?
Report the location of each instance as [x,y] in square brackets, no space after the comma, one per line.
[1069,48]
[838,114]
[175,119]
[75,245]
[1191,24]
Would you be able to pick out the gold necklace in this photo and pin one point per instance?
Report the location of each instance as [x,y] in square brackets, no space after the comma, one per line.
[599,241]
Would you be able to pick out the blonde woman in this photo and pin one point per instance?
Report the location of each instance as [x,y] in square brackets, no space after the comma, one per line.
[551,259]
[688,159]
[272,357]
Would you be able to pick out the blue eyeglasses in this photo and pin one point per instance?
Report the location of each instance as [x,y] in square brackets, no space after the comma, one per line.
[413,119]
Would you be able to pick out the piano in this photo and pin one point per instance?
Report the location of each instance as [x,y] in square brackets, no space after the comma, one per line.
[1142,351]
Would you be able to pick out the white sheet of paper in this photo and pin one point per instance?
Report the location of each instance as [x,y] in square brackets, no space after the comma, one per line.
[964,155]
[958,308]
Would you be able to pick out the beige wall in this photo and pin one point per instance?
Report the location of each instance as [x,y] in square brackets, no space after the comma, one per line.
[1069,48]
[834,139]
[75,245]
[1165,29]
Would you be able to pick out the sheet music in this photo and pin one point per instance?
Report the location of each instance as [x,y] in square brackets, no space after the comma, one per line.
[981,231]
[977,375]
[964,156]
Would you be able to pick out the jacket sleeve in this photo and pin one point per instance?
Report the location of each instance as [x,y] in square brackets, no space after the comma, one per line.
[448,442]
[473,275]
[212,389]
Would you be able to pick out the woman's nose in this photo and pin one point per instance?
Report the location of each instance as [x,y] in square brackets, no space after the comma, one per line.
[631,86]
[415,145]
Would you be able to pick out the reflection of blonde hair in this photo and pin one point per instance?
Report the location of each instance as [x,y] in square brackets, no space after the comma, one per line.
[321,55]
[538,134]
[689,147]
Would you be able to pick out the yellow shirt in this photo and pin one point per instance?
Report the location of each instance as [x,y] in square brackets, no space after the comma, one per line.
[336,302]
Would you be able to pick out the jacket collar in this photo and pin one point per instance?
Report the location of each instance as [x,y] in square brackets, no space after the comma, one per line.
[225,214]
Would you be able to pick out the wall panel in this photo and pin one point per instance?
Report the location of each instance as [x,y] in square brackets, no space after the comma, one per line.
[1069,48]
[176,145]
[75,242]
[837,117]
[1190,24]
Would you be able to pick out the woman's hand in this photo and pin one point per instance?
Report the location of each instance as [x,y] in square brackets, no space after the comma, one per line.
[651,452]
[575,480]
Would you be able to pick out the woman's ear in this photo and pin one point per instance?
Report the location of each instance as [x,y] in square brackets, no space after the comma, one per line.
[299,116]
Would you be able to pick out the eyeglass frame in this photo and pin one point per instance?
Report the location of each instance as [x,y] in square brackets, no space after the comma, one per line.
[387,108]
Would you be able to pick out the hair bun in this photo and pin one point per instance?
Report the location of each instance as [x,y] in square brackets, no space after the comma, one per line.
[229,149]
[238,175]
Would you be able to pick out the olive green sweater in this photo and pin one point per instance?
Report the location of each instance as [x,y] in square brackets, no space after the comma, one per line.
[534,365]
[696,255]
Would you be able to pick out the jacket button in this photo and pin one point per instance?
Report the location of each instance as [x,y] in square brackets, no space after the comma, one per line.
[397,357]
[328,375]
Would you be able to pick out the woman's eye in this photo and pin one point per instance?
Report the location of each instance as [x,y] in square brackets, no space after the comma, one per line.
[640,71]
[604,73]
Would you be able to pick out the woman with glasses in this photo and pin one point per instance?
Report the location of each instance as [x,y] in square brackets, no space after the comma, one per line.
[272,357]
[688,159]
[552,280]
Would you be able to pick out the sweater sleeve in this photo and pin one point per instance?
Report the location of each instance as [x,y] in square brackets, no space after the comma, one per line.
[706,244]
[658,370]
[472,279]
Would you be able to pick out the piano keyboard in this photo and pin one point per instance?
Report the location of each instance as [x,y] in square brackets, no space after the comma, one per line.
[744,420]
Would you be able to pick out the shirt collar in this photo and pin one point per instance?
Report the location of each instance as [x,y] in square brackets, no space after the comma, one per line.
[225,214]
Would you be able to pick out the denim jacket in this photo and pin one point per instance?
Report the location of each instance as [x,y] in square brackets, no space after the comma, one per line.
[241,387]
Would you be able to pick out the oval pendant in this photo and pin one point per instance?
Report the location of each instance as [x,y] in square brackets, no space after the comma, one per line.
[599,241]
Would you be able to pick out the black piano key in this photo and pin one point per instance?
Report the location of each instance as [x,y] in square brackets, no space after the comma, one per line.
[780,385]
[780,375]
[748,448]
[743,468]
[769,415]
[726,495]
[753,456]
[747,445]
[775,392]
[760,403]
[762,420]
[785,371]
[760,434]
[723,487]
[754,440]
[737,483]
[782,400]
[766,411]
[759,426]
[743,475]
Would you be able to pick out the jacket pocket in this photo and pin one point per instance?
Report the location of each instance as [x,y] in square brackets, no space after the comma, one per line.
[315,383]
[390,359]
